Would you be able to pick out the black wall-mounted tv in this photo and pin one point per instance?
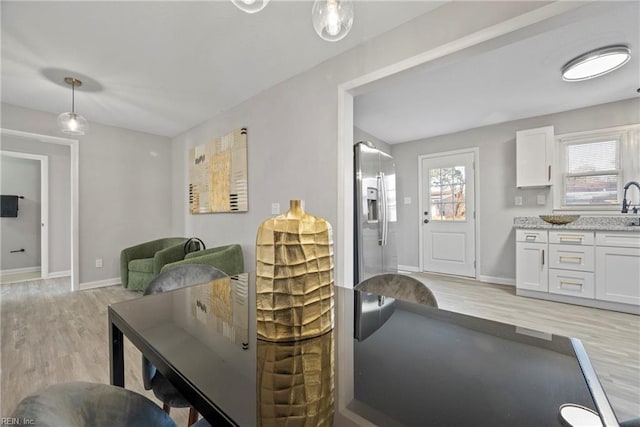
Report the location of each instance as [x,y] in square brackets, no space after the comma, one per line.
[9,206]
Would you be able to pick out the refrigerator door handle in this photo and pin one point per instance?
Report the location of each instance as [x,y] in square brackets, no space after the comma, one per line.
[383,217]
[379,207]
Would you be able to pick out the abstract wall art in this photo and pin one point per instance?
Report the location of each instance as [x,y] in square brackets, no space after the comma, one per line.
[218,175]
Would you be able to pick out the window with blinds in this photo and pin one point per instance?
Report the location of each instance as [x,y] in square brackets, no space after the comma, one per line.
[591,171]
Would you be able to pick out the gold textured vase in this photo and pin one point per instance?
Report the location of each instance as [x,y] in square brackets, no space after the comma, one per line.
[294,276]
[296,382]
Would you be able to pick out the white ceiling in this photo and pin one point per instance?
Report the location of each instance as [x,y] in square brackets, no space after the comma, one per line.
[164,67]
[506,79]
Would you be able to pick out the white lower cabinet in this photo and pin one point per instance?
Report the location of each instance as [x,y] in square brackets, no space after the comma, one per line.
[601,269]
[618,274]
[532,266]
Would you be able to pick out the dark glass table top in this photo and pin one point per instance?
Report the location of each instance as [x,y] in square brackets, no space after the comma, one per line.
[413,365]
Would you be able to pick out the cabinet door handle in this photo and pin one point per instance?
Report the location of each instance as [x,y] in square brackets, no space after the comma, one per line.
[530,237]
[549,173]
[578,259]
[571,238]
[570,284]
[543,257]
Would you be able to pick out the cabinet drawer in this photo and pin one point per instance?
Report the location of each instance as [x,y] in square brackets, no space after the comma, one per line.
[571,237]
[531,236]
[571,257]
[622,239]
[574,283]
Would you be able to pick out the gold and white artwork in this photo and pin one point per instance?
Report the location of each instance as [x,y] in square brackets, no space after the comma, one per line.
[218,175]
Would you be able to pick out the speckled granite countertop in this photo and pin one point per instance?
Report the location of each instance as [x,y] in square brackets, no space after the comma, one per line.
[595,223]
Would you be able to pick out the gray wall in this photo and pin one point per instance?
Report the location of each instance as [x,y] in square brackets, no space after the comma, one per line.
[360,135]
[293,126]
[497,179]
[59,197]
[20,177]
[125,188]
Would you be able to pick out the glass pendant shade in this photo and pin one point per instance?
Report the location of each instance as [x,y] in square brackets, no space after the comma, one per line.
[596,63]
[332,19]
[250,6]
[72,123]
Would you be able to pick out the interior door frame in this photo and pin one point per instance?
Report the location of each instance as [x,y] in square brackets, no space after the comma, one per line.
[44,205]
[476,205]
[73,145]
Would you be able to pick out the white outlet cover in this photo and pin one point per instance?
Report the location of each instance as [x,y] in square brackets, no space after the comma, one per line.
[542,199]
[407,200]
[518,201]
[275,208]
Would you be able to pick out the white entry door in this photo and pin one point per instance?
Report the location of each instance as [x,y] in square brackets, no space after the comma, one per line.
[448,213]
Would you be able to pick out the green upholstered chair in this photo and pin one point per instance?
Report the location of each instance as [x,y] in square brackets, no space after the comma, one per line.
[225,258]
[81,404]
[141,263]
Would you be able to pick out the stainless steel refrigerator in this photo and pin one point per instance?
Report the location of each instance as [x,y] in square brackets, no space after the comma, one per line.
[375,212]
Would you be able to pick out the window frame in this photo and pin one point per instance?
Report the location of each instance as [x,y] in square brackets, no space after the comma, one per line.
[619,134]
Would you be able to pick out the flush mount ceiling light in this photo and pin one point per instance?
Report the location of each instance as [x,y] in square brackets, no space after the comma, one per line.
[596,63]
[72,123]
[250,6]
[332,19]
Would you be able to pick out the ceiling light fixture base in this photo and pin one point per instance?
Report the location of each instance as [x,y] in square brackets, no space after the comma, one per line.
[72,81]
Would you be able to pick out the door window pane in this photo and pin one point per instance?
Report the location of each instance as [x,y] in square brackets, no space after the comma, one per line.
[447,193]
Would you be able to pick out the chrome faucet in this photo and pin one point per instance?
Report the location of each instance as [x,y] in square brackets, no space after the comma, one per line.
[625,205]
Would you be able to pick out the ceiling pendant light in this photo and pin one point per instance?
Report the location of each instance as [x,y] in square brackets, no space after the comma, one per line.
[250,6]
[332,19]
[596,63]
[72,123]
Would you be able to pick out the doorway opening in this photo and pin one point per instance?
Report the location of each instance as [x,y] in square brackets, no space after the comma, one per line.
[73,204]
[494,36]
[26,242]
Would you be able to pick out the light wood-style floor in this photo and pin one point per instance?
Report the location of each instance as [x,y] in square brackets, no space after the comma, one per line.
[50,335]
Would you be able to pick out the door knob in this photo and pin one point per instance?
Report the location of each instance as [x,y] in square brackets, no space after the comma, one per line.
[426,221]
[426,212]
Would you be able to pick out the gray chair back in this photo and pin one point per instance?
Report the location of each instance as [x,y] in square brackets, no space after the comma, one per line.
[183,276]
[81,404]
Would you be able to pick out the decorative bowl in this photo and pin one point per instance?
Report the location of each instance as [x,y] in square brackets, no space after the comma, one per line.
[559,219]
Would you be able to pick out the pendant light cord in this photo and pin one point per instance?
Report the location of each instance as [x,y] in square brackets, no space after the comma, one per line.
[73,97]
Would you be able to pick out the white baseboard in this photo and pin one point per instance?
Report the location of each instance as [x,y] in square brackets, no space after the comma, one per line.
[99,283]
[408,268]
[497,280]
[20,270]
[55,274]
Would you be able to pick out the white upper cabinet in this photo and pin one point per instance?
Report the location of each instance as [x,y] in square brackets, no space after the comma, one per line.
[534,157]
